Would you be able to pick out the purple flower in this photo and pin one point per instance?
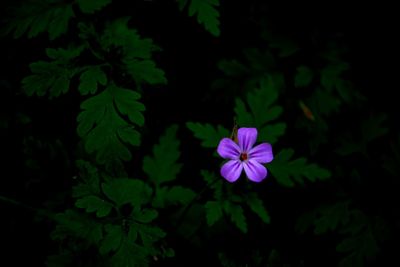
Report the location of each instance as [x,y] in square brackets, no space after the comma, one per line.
[244,156]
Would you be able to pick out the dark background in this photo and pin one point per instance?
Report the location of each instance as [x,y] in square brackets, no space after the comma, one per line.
[189,58]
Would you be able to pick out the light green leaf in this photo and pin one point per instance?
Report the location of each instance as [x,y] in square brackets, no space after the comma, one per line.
[163,166]
[213,212]
[287,171]
[94,204]
[91,6]
[123,191]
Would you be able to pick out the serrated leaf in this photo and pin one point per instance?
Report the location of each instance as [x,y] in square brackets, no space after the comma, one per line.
[363,247]
[104,129]
[236,215]
[257,206]
[232,67]
[123,191]
[94,204]
[79,225]
[145,71]
[35,17]
[90,180]
[112,240]
[372,127]
[212,182]
[162,166]
[90,6]
[287,171]
[206,14]
[209,134]
[90,78]
[47,77]
[303,77]
[331,217]
[179,195]
[263,110]
[149,234]
[145,215]
[330,75]
[213,212]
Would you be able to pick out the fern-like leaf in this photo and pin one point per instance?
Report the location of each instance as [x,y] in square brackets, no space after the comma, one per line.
[163,166]
[35,17]
[209,135]
[287,171]
[101,124]
[90,6]
[262,111]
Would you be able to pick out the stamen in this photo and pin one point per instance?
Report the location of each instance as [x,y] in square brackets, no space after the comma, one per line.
[243,156]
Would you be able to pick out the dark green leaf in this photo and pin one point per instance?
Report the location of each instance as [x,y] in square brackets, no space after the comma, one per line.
[287,171]
[94,204]
[104,129]
[236,215]
[257,206]
[206,14]
[123,191]
[90,6]
[112,240]
[303,77]
[213,212]
[163,166]
[90,78]
[210,135]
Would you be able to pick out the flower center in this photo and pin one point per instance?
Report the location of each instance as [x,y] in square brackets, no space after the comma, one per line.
[243,156]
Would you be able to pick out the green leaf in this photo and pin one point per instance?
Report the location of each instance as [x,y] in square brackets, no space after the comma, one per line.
[179,195]
[303,77]
[232,68]
[112,240]
[94,204]
[149,234]
[90,6]
[257,206]
[236,215]
[363,247]
[123,191]
[35,17]
[72,223]
[136,51]
[330,75]
[163,166]
[145,215]
[372,127]
[287,171]
[213,212]
[90,184]
[210,135]
[90,78]
[331,217]
[212,182]
[48,77]
[263,110]
[206,14]
[103,128]
[145,71]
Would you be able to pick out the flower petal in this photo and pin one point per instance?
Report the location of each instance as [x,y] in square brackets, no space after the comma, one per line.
[247,137]
[231,170]
[228,149]
[255,171]
[261,153]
